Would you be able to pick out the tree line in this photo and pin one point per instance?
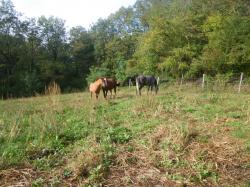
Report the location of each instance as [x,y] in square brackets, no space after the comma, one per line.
[163,37]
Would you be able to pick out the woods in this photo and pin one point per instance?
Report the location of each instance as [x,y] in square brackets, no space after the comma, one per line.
[161,37]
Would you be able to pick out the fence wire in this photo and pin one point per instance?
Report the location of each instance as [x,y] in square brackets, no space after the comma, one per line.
[239,82]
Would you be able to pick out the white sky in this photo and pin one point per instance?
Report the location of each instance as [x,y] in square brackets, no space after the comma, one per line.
[74,12]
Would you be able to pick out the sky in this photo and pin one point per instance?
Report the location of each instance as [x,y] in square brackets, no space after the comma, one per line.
[74,12]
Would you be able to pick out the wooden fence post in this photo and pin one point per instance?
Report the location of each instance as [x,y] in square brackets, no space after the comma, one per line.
[203,81]
[241,78]
[137,86]
[129,83]
[181,79]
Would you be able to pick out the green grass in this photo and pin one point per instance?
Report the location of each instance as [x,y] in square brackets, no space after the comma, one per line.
[188,135]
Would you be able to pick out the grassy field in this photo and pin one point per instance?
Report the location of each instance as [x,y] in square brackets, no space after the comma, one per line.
[178,138]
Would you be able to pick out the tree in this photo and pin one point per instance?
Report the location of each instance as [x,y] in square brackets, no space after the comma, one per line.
[54,37]
[11,40]
[82,53]
[54,51]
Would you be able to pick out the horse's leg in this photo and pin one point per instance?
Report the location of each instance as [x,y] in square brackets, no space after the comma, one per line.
[111,93]
[148,89]
[140,87]
[156,89]
[104,93]
[115,91]
[107,93]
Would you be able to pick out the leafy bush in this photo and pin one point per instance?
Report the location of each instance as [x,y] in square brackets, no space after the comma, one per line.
[96,72]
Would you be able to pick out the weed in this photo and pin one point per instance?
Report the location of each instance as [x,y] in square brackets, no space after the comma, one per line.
[203,138]
[39,182]
[53,89]
[96,175]
[214,98]
[204,171]
[67,173]
[119,134]
[241,132]
[247,146]
[189,109]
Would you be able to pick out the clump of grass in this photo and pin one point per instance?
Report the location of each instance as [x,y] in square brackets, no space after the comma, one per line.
[241,132]
[52,89]
[214,98]
[38,182]
[189,136]
[203,172]
[119,134]
[83,163]
[247,146]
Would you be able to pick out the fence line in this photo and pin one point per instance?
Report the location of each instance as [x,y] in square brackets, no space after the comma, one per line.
[236,82]
[220,82]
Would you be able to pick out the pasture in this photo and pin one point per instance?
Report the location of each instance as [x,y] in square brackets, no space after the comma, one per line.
[184,137]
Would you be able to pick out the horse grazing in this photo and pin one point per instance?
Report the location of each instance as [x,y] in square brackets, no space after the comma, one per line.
[149,81]
[96,87]
[108,85]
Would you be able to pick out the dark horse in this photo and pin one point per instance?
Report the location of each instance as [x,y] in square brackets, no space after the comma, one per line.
[108,85]
[147,80]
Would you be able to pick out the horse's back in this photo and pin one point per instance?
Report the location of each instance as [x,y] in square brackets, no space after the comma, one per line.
[95,87]
[110,83]
[146,79]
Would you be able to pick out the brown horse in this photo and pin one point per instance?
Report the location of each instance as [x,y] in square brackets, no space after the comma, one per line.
[108,85]
[96,87]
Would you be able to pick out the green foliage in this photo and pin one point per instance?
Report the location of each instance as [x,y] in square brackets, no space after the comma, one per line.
[12,153]
[151,37]
[41,52]
[247,147]
[39,182]
[241,132]
[227,36]
[204,172]
[97,72]
[119,134]
[178,63]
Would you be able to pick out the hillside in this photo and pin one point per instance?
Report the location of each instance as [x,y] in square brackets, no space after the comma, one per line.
[178,138]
